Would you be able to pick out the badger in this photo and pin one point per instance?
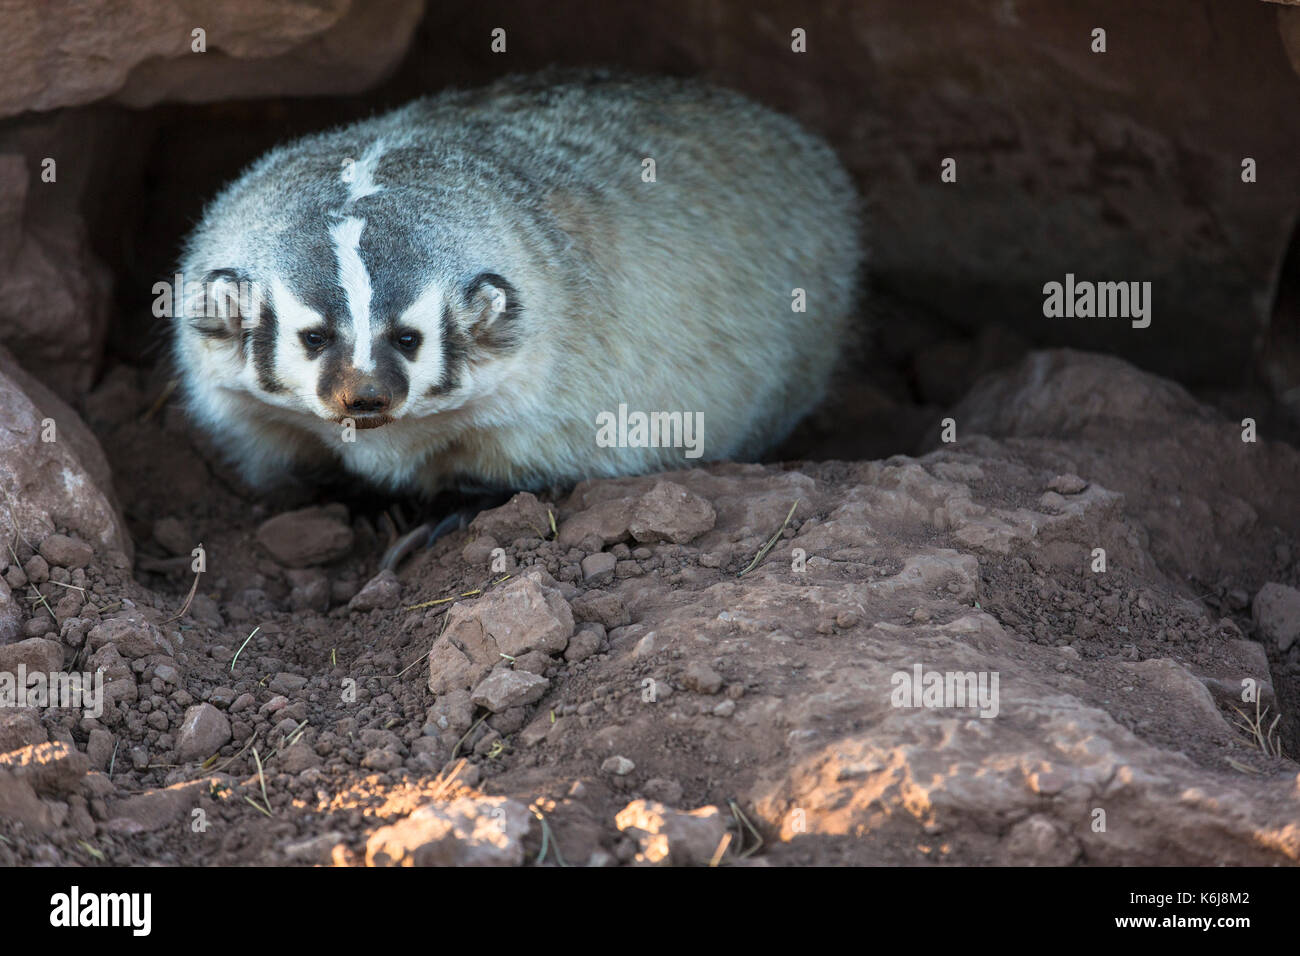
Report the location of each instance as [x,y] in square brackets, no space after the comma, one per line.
[460,294]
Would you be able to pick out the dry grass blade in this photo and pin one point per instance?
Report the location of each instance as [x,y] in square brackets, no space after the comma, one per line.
[242,646]
[741,819]
[261,778]
[189,598]
[441,785]
[455,597]
[160,401]
[1267,740]
[771,542]
[455,751]
[722,848]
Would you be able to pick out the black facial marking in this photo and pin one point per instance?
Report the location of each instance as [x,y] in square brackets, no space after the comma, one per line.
[455,346]
[329,381]
[262,338]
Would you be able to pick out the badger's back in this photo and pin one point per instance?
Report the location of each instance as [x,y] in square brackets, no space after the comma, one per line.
[674,294]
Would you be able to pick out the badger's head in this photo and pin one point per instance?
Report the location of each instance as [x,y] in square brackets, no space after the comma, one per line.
[340,298]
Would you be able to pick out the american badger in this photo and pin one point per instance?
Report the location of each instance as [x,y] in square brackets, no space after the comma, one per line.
[458,294]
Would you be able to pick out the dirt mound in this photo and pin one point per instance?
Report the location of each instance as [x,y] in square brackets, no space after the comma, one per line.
[1015,649]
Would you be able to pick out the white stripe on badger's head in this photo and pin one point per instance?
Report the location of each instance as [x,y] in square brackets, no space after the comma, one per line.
[359,176]
[355,282]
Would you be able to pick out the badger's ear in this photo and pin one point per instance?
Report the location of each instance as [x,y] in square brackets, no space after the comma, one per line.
[493,308]
[226,305]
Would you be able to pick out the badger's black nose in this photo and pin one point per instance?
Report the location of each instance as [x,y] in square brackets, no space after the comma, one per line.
[367,399]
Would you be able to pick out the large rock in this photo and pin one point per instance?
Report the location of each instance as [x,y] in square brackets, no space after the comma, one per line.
[1202,494]
[131,635]
[141,52]
[933,667]
[668,837]
[1277,615]
[526,614]
[36,654]
[470,831]
[53,768]
[63,483]
[53,290]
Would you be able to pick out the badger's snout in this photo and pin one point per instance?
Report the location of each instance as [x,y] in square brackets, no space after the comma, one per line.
[366,398]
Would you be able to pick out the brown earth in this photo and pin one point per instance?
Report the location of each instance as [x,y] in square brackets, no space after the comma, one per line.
[622,682]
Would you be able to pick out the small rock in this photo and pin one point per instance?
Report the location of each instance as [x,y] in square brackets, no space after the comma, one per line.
[478,550]
[381,760]
[534,662]
[222,697]
[203,731]
[383,591]
[1067,484]
[523,516]
[37,569]
[599,526]
[617,766]
[316,850]
[469,831]
[300,539]
[503,689]
[602,607]
[155,809]
[132,637]
[669,512]
[598,568]
[536,732]
[11,612]
[526,614]
[21,727]
[287,684]
[584,643]
[668,837]
[66,552]
[99,749]
[702,679]
[1277,614]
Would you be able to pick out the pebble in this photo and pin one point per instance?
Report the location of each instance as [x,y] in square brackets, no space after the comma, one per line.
[617,766]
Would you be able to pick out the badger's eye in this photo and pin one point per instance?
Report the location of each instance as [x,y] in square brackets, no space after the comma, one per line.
[314,340]
[408,341]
